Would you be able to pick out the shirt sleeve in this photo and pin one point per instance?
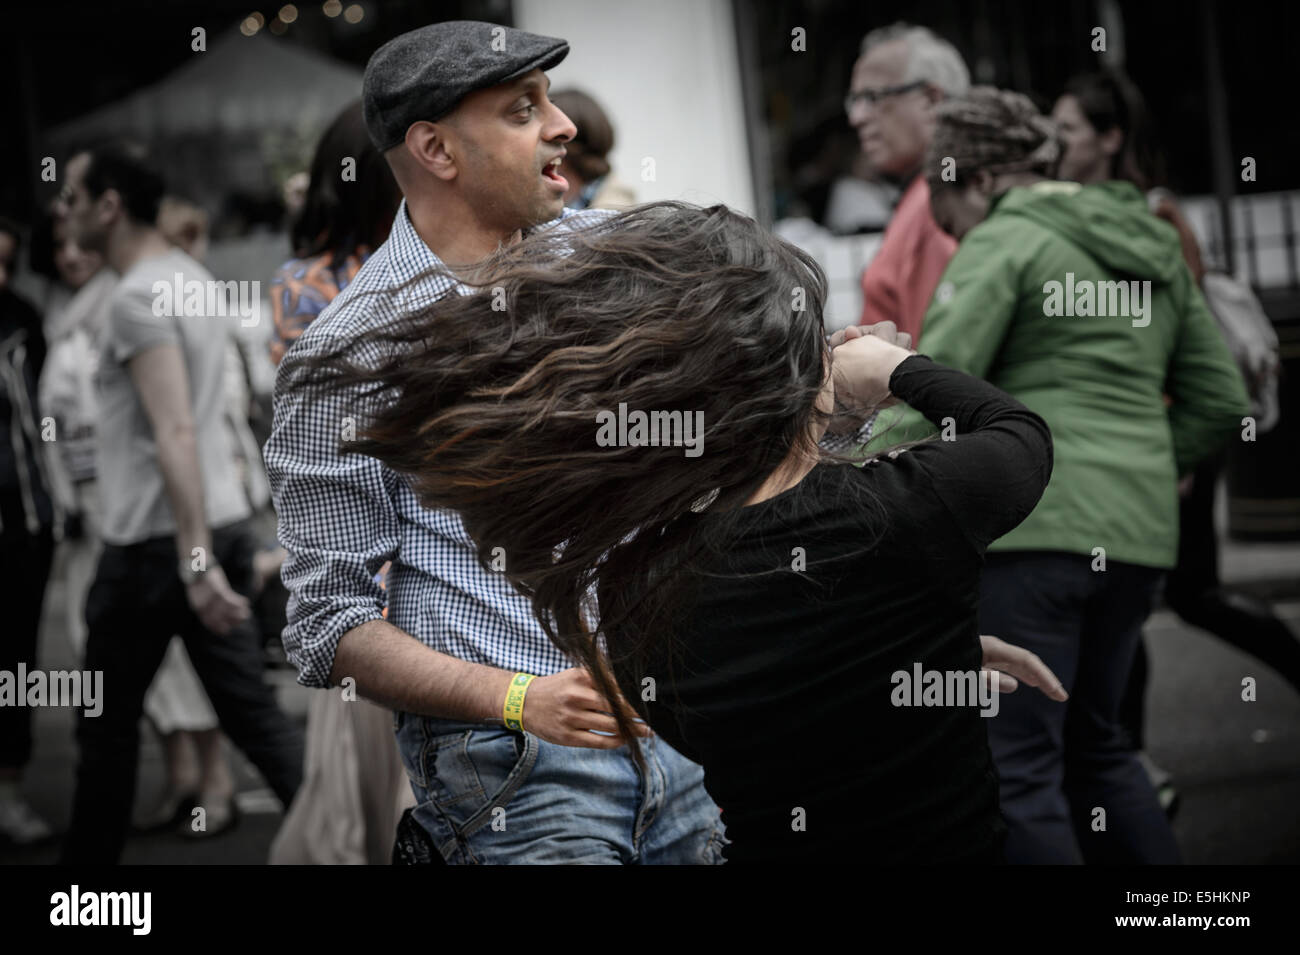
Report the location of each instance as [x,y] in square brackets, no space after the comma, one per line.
[337,520]
[133,327]
[993,472]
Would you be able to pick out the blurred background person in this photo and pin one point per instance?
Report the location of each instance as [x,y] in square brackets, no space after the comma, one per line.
[592,183]
[903,72]
[346,213]
[1104,125]
[197,770]
[354,788]
[195,767]
[186,226]
[294,194]
[1099,382]
[74,330]
[27,519]
[170,493]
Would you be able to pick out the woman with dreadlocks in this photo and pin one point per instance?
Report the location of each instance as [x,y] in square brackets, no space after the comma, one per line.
[1075,300]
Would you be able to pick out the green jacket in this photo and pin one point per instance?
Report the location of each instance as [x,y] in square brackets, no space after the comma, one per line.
[1098,380]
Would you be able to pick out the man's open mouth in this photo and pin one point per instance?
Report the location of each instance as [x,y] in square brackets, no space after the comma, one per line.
[551,173]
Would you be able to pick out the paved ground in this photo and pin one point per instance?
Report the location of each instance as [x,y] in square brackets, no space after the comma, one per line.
[1237,764]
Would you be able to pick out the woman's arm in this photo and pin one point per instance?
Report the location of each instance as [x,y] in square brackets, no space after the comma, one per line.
[991,466]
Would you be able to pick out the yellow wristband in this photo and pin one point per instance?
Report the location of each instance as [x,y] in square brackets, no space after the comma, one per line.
[514,707]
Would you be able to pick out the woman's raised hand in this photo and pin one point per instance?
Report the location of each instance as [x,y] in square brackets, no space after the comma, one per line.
[863,359]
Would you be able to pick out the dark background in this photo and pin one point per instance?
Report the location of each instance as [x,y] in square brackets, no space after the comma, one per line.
[59,59]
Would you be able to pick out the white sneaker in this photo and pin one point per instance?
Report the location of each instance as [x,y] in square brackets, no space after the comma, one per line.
[19,823]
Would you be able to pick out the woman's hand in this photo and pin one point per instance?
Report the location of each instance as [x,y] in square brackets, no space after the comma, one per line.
[862,360]
[1011,662]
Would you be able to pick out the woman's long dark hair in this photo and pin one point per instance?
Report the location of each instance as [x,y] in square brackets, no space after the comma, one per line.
[488,402]
[339,215]
[1109,100]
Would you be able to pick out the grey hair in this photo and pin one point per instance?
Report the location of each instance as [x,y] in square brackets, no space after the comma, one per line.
[929,57]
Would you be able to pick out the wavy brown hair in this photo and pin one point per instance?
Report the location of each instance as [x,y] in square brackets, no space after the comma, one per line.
[488,402]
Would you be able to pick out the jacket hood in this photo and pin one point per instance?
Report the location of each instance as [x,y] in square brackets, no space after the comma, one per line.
[1108,220]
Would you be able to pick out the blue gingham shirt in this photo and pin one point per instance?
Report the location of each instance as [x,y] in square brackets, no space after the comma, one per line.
[342,516]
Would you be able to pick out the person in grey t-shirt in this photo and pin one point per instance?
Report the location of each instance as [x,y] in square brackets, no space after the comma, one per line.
[131,475]
[178,554]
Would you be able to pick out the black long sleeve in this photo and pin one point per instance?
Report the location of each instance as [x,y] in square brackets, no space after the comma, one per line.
[992,475]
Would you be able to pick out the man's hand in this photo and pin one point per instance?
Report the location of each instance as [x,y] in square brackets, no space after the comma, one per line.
[563,707]
[215,602]
[1011,662]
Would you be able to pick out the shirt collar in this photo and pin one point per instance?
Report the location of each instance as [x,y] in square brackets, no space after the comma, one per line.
[414,271]
[409,256]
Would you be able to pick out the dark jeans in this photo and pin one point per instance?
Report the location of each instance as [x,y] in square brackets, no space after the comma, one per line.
[1060,762]
[24,570]
[135,605]
[1194,593]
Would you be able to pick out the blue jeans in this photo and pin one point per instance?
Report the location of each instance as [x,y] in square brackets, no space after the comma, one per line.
[1059,763]
[491,796]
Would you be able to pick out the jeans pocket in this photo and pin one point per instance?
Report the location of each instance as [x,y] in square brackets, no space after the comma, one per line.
[472,775]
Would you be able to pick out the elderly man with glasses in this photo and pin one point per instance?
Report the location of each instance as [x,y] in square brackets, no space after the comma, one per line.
[901,74]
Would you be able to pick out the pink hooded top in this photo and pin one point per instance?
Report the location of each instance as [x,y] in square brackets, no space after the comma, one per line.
[899,282]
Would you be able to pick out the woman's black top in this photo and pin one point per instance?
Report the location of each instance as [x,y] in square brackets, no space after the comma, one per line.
[779,681]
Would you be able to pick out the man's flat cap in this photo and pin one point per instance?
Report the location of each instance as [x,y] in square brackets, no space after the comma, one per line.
[423,74]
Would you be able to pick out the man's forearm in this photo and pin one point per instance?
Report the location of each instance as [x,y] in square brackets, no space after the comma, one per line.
[178,459]
[397,671]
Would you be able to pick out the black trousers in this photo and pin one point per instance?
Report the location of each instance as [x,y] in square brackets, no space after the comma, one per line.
[24,570]
[1058,763]
[135,606]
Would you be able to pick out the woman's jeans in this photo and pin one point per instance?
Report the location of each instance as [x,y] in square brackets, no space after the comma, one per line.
[1072,789]
[488,795]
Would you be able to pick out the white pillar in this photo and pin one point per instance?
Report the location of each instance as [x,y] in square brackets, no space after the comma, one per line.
[668,74]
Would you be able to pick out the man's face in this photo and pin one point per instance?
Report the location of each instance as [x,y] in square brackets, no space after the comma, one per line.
[8,248]
[508,137]
[80,215]
[894,131]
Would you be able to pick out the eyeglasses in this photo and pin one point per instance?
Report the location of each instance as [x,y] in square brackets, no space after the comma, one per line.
[872,97]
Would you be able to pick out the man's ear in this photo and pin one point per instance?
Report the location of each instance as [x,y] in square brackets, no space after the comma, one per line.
[933,94]
[109,207]
[433,147]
